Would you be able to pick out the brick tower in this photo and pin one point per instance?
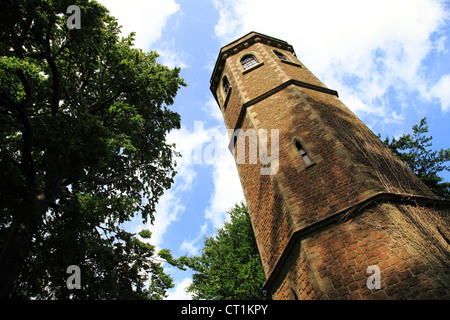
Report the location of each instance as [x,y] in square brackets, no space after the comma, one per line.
[335,214]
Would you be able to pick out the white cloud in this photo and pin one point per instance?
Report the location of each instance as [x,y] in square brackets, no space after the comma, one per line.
[170,57]
[202,146]
[210,147]
[211,108]
[168,210]
[440,44]
[191,246]
[179,291]
[378,44]
[227,186]
[189,144]
[170,206]
[145,17]
[441,91]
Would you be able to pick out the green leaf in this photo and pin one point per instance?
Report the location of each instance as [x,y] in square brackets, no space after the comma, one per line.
[229,266]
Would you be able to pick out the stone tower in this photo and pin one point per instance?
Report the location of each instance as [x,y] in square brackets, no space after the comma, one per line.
[335,214]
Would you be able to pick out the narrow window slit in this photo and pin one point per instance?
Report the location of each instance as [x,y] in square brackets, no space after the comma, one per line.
[226,84]
[294,294]
[303,153]
[280,55]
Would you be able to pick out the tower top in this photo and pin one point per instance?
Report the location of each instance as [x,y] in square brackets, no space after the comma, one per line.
[240,44]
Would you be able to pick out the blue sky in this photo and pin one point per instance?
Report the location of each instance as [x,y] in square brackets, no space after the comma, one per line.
[388,59]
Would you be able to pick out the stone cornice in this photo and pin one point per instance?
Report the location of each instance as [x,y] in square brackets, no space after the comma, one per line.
[239,45]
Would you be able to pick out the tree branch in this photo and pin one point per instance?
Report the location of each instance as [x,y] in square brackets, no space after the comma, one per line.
[97,104]
[25,83]
[55,75]
[110,180]
[56,85]
[27,164]
[115,178]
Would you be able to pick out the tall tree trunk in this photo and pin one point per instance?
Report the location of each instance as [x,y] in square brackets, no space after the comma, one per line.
[12,256]
[18,243]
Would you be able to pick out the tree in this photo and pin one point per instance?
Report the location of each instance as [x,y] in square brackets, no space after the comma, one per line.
[83,120]
[415,151]
[229,266]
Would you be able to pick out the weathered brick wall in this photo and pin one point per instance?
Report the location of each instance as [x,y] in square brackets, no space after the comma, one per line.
[332,263]
[349,166]
[270,221]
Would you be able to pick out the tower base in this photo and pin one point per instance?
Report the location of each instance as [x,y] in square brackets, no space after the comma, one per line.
[403,243]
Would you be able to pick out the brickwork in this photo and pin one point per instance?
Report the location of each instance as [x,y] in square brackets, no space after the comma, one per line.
[332,263]
[319,225]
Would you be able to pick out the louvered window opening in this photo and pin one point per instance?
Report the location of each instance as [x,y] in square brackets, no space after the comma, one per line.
[249,61]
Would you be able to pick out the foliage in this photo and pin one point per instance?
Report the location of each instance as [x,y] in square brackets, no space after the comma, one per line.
[415,151]
[83,120]
[229,266]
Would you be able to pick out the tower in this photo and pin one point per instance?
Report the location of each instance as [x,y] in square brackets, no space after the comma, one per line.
[335,214]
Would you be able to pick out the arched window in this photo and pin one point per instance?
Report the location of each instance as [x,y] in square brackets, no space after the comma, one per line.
[226,84]
[280,55]
[302,152]
[248,61]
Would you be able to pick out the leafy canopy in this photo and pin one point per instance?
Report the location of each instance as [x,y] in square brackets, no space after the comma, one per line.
[229,266]
[416,152]
[83,121]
